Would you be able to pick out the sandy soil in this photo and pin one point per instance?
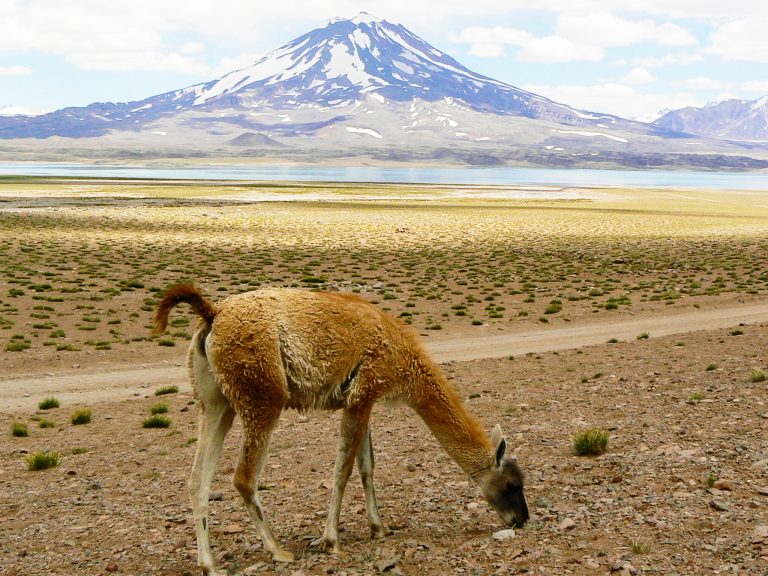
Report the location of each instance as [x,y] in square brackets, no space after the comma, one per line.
[117,381]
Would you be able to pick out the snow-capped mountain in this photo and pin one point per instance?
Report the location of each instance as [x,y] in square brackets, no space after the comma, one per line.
[730,120]
[360,87]
[336,65]
[347,59]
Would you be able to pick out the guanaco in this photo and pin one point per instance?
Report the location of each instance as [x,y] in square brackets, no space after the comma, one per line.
[258,353]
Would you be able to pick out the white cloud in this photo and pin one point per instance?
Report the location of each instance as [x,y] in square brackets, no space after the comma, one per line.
[490,42]
[669,59]
[15,71]
[552,49]
[638,75]
[145,60]
[703,83]
[12,110]
[192,48]
[607,30]
[495,35]
[578,37]
[744,40]
[758,86]
[615,98]
[486,50]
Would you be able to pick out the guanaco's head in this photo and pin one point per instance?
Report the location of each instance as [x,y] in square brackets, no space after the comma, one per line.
[502,484]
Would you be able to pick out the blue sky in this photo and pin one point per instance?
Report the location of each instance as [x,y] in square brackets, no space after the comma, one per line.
[630,58]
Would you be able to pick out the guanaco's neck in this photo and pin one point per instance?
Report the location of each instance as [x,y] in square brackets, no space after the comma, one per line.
[457,431]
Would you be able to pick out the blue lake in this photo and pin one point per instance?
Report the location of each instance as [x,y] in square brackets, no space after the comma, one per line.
[424,175]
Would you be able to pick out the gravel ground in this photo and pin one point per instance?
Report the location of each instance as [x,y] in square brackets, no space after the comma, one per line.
[683,488]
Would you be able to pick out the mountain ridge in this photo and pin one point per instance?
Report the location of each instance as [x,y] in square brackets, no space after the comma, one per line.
[733,119]
[367,87]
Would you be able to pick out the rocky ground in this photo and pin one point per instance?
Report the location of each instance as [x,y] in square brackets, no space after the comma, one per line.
[683,488]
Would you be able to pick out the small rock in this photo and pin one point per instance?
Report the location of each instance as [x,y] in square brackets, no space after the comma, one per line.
[472,506]
[387,563]
[567,524]
[763,490]
[726,485]
[232,529]
[719,504]
[759,534]
[216,496]
[506,534]
[111,567]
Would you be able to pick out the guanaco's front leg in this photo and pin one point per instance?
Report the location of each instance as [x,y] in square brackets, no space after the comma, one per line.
[354,423]
[365,465]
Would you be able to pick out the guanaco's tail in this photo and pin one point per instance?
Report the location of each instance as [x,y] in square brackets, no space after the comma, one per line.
[186,293]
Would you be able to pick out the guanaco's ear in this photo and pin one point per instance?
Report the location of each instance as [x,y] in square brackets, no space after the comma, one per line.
[499,445]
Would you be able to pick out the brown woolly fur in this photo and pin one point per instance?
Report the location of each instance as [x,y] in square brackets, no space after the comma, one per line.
[261,352]
[188,294]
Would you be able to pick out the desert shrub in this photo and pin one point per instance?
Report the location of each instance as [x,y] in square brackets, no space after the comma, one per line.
[590,442]
[48,403]
[156,422]
[42,460]
[159,408]
[19,429]
[82,416]
[166,390]
[757,376]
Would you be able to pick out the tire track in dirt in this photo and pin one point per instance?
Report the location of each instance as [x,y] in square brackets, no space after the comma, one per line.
[21,394]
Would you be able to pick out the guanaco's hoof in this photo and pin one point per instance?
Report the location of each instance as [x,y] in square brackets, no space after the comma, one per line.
[282,556]
[327,545]
[379,531]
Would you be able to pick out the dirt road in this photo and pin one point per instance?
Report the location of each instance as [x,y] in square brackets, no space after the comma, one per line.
[21,394]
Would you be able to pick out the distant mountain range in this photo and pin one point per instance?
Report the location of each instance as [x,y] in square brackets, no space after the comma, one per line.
[367,88]
[729,120]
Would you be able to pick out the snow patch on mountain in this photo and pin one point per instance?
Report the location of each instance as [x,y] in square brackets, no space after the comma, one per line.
[592,134]
[367,131]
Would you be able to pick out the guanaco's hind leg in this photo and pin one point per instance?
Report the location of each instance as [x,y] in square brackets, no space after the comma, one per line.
[354,423]
[365,465]
[216,417]
[253,453]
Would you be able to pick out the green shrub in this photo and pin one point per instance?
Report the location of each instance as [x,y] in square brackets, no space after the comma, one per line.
[156,422]
[757,376]
[81,416]
[590,442]
[19,429]
[48,403]
[42,460]
[166,390]
[159,408]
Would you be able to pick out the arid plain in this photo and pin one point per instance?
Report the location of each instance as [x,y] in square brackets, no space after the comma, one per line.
[682,489]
